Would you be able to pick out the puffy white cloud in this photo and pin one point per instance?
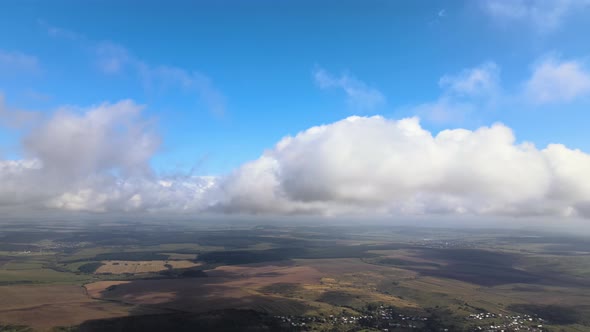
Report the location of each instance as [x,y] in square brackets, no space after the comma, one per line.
[105,138]
[543,15]
[96,159]
[173,196]
[359,94]
[557,81]
[373,165]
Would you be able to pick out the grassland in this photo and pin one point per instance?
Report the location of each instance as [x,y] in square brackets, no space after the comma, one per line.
[42,307]
[84,277]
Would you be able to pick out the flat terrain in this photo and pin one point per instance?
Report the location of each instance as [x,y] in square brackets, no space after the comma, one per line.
[121,267]
[225,288]
[42,307]
[320,277]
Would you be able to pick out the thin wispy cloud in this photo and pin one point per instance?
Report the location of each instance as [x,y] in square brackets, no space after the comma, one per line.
[463,93]
[557,81]
[479,81]
[542,15]
[359,95]
[113,59]
[444,110]
[59,32]
[16,118]
[11,61]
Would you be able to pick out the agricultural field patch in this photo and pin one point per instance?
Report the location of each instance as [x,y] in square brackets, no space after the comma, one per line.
[43,307]
[120,267]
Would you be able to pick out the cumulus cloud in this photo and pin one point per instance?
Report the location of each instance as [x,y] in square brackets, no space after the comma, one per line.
[359,95]
[373,165]
[555,80]
[543,15]
[95,159]
[107,137]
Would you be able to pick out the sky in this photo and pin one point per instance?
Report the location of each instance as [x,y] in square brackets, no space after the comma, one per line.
[322,108]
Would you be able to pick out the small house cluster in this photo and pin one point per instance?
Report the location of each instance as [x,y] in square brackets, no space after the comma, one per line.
[382,318]
[491,322]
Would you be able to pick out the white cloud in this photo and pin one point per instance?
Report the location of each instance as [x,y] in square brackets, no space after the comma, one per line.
[554,80]
[107,137]
[114,59]
[543,15]
[463,93]
[58,32]
[372,165]
[96,159]
[359,95]
[479,81]
[12,60]
[166,77]
[143,194]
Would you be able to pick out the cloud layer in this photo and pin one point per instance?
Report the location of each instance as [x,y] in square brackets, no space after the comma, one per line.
[375,165]
[97,159]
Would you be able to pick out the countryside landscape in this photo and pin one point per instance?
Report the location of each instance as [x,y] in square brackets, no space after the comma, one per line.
[181,277]
[294,165]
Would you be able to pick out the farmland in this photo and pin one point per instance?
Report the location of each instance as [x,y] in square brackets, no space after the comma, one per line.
[134,267]
[306,277]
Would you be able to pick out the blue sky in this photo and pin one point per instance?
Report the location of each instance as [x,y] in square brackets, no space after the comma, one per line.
[261,56]
[221,82]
